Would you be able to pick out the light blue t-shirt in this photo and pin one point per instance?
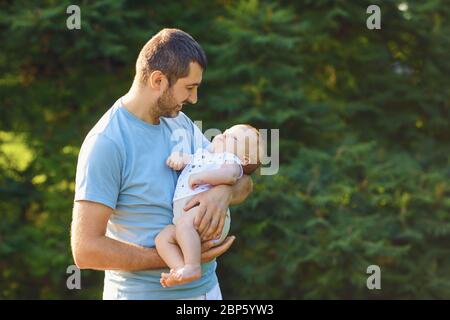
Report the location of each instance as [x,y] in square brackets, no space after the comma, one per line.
[122,164]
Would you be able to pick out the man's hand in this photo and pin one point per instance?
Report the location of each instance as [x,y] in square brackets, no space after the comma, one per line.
[212,210]
[209,251]
[177,160]
[213,205]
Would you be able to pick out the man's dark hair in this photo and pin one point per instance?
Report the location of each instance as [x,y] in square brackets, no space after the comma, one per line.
[169,51]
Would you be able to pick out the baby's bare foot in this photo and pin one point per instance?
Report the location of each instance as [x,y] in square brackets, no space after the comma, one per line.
[188,273]
[164,277]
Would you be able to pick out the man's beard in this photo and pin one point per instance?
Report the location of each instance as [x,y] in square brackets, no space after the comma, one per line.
[166,105]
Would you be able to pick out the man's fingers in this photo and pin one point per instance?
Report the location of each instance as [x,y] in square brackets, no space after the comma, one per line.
[212,229]
[191,203]
[226,244]
[201,211]
[219,228]
[212,253]
[203,231]
[203,236]
[205,221]
[206,245]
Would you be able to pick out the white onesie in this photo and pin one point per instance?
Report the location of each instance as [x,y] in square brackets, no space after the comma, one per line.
[202,160]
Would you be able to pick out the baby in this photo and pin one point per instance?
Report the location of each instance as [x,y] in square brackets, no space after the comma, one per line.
[224,161]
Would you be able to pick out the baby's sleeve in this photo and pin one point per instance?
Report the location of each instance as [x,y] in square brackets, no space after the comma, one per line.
[233,159]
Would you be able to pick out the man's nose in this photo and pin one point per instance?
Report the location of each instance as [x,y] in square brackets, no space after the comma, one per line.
[193,97]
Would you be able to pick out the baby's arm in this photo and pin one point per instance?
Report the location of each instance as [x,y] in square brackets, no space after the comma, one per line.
[178,160]
[228,173]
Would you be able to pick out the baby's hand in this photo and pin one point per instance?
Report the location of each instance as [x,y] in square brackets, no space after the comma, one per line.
[193,181]
[177,160]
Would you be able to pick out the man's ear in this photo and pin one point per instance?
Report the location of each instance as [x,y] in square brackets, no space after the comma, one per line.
[158,81]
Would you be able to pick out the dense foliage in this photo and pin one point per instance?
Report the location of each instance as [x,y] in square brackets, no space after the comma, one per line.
[364,138]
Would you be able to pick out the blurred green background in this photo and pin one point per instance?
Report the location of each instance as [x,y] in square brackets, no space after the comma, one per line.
[364,138]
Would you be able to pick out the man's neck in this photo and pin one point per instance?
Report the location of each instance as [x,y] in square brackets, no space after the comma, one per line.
[141,104]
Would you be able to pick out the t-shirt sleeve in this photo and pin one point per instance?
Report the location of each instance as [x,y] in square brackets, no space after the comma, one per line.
[98,174]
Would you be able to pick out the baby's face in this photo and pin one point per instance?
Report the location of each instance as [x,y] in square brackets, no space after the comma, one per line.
[239,140]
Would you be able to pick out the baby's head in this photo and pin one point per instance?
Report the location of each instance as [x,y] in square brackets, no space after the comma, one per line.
[243,141]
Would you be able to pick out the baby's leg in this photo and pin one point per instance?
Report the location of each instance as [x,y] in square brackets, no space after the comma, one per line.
[188,239]
[169,251]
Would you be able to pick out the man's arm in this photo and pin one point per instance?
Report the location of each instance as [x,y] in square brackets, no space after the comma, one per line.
[241,190]
[91,248]
[213,205]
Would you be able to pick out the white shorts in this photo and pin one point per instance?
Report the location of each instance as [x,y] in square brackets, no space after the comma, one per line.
[213,294]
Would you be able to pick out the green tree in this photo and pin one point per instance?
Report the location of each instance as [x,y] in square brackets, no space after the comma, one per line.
[364,140]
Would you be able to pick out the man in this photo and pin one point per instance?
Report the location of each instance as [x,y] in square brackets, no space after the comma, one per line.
[124,189]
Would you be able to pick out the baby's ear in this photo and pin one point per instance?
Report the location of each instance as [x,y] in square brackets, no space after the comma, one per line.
[245,160]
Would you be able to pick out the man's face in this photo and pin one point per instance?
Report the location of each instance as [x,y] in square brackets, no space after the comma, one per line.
[183,91]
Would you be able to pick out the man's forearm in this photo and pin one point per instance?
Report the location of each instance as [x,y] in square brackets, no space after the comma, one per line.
[104,253]
[241,190]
